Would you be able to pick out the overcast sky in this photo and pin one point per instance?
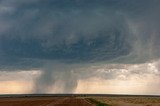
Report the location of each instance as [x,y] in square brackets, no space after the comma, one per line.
[80,46]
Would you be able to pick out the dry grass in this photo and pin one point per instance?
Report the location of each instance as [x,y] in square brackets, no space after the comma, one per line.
[130,101]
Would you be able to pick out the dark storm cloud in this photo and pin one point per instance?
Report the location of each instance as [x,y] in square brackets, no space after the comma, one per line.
[75,31]
[75,35]
[35,33]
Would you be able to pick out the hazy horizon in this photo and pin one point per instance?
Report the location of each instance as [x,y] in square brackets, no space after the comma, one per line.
[80,46]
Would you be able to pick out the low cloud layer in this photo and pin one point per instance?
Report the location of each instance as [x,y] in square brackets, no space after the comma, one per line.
[62,37]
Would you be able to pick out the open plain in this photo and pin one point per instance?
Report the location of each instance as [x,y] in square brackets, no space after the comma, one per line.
[79,100]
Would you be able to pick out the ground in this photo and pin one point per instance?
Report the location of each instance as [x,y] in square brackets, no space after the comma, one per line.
[79,100]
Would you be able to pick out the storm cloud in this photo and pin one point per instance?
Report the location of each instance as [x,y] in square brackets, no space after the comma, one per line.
[60,37]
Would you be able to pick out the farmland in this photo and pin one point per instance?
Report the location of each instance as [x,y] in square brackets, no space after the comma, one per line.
[130,101]
[45,101]
[79,100]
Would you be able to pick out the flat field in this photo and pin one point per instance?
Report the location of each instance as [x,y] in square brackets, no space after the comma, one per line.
[45,101]
[79,100]
[129,101]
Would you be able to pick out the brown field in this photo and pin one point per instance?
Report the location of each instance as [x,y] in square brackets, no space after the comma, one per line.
[44,101]
[79,100]
[130,101]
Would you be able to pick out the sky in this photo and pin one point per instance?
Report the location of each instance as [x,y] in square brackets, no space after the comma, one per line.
[80,46]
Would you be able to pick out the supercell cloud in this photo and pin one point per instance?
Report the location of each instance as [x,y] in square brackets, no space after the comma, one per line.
[73,40]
